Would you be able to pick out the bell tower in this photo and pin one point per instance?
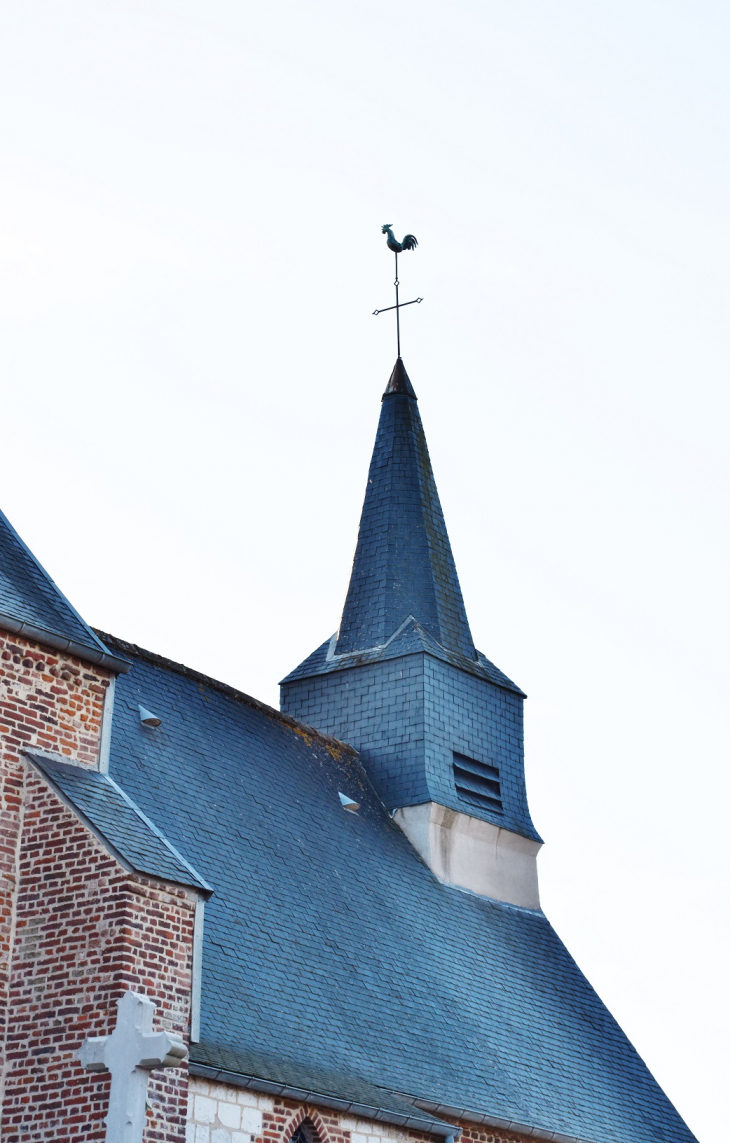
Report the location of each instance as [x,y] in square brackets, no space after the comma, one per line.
[437,725]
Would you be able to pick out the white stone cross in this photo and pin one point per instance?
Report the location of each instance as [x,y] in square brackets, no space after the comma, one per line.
[131,1051]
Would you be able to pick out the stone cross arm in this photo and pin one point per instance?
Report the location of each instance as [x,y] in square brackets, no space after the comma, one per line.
[129,1053]
[164,1050]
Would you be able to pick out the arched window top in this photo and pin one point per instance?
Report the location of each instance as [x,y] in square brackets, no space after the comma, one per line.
[305,1126]
[306,1132]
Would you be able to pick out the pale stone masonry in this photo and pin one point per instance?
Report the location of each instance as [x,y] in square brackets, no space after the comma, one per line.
[221,1113]
[218,1113]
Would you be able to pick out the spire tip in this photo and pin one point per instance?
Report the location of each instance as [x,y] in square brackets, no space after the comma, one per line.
[400,382]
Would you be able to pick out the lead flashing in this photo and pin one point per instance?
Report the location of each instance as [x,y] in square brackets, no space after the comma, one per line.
[304,1095]
[494,1121]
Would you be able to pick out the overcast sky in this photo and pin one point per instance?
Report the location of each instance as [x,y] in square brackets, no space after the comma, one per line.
[190,214]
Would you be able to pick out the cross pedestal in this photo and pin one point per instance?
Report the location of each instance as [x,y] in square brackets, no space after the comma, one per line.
[130,1053]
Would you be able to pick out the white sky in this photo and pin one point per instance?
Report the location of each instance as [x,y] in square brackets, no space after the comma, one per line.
[190,216]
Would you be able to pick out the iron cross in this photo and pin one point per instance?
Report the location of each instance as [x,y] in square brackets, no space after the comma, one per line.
[408,243]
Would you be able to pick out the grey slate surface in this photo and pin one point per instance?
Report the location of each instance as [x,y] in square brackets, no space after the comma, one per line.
[411,638]
[115,817]
[330,946]
[28,595]
[403,562]
[401,680]
[406,716]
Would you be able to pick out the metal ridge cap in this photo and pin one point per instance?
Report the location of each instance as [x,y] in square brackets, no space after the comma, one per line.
[202,884]
[493,1120]
[37,756]
[346,660]
[306,1095]
[225,688]
[101,658]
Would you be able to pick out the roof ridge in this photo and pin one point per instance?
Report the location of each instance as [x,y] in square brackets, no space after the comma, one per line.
[138,652]
[154,828]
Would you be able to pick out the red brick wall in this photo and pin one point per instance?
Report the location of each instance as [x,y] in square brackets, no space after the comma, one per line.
[333,1127]
[474,1133]
[220,1113]
[49,700]
[85,932]
[53,702]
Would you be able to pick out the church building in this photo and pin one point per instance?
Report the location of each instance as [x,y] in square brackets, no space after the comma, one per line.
[225,923]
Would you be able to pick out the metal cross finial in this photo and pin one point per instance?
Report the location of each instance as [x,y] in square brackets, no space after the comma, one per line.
[408,243]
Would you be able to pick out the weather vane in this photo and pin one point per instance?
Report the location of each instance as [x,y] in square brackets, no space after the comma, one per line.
[408,243]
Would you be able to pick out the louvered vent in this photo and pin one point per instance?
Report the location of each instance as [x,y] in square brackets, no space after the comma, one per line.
[478,782]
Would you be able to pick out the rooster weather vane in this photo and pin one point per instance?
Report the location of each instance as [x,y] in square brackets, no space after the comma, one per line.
[408,243]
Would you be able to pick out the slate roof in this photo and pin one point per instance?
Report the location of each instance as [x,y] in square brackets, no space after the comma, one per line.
[403,561]
[32,605]
[118,822]
[411,638]
[331,948]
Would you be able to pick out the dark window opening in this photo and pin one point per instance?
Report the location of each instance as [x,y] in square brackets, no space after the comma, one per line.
[305,1133]
[478,782]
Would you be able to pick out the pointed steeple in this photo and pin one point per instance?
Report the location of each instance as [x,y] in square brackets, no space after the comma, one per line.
[403,562]
[399,381]
[437,726]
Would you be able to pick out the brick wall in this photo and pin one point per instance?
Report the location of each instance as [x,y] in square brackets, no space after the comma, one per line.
[85,932]
[220,1113]
[476,1133]
[53,702]
[49,700]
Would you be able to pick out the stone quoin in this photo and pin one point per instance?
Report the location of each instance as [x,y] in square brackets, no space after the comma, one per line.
[332,908]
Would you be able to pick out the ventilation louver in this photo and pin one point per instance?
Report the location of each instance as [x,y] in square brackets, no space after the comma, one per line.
[478,782]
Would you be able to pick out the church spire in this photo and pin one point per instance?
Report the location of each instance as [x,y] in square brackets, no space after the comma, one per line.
[403,563]
[437,726]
